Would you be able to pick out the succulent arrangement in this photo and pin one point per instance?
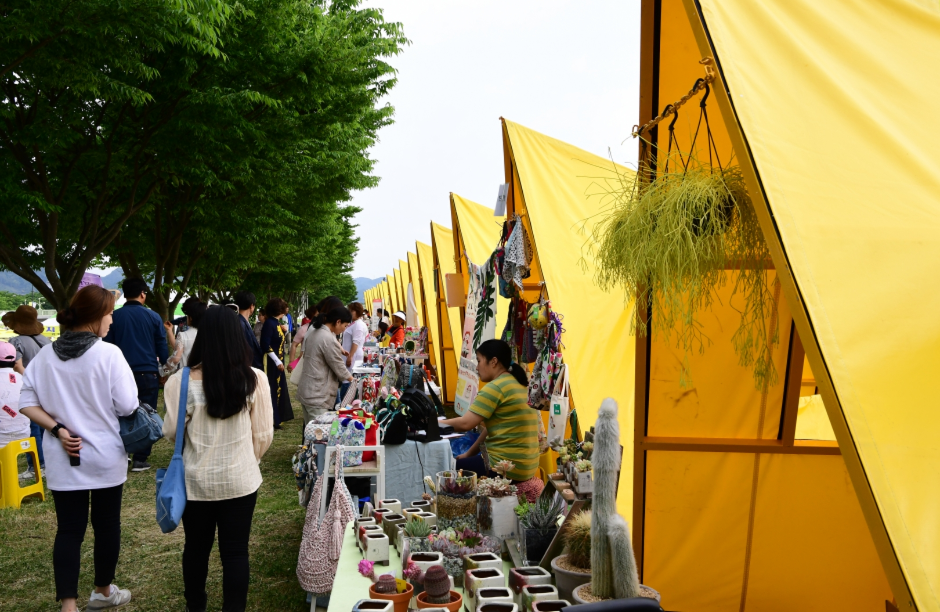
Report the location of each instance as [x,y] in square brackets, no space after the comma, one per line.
[460,486]
[437,585]
[416,528]
[523,508]
[577,538]
[496,487]
[583,465]
[544,513]
[454,544]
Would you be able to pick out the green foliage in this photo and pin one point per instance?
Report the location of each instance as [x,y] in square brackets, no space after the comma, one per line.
[416,528]
[544,514]
[9,301]
[204,145]
[577,538]
[671,242]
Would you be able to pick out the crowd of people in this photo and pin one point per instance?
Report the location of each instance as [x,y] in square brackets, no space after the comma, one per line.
[69,394]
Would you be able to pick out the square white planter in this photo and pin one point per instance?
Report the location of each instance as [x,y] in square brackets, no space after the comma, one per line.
[363,531]
[422,504]
[503,511]
[409,512]
[374,605]
[376,548]
[424,560]
[476,580]
[492,596]
[532,593]
[391,504]
[550,605]
[378,513]
[527,576]
[428,517]
[583,482]
[482,561]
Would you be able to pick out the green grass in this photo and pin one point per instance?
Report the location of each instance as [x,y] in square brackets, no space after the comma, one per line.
[150,562]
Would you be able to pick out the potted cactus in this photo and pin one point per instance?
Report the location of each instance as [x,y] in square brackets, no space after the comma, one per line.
[613,566]
[437,592]
[539,526]
[496,505]
[416,534]
[397,591]
[573,568]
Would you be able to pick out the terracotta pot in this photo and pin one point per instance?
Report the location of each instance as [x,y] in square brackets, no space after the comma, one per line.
[567,580]
[400,600]
[456,601]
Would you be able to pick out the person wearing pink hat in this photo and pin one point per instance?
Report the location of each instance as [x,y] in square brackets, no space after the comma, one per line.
[13,425]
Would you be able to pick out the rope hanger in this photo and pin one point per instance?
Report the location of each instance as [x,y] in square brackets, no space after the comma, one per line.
[673,109]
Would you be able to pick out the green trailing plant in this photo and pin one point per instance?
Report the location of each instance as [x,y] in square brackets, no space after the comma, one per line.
[544,514]
[577,538]
[416,528]
[613,566]
[671,242]
[437,585]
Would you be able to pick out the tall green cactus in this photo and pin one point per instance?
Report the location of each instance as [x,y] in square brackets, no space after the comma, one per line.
[613,566]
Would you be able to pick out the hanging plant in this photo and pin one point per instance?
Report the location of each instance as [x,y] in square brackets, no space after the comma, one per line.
[671,243]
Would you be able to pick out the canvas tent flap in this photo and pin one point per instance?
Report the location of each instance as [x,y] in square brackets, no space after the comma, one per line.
[835,114]
[562,188]
[415,276]
[428,300]
[442,244]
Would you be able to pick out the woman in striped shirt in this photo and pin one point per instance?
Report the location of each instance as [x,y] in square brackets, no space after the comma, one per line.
[511,426]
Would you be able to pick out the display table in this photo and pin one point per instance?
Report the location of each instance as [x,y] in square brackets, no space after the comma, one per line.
[350,586]
[407,464]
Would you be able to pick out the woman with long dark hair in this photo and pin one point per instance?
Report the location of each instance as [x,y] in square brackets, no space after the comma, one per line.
[324,363]
[76,389]
[274,348]
[511,426]
[228,429]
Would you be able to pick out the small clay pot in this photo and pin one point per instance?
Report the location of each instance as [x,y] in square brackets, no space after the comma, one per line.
[456,601]
[400,600]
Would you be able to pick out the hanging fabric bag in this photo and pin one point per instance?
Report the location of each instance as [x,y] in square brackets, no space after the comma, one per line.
[171,482]
[558,414]
[348,432]
[322,541]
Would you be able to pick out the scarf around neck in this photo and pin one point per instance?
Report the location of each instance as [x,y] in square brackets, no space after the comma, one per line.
[72,345]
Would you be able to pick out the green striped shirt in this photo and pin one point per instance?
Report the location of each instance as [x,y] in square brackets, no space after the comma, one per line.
[512,429]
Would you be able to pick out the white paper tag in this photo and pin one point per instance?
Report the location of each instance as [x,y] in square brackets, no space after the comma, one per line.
[500,210]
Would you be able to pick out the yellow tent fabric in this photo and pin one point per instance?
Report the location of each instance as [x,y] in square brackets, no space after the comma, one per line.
[428,298]
[403,280]
[415,276]
[558,191]
[479,232]
[442,242]
[391,283]
[835,106]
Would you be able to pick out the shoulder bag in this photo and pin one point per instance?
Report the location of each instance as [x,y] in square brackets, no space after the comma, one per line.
[559,407]
[140,429]
[171,482]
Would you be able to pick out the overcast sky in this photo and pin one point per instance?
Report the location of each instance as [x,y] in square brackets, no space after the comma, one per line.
[567,69]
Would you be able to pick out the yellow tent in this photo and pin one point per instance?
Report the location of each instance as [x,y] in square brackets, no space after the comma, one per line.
[403,281]
[449,320]
[391,282]
[414,276]
[476,235]
[556,188]
[734,509]
[426,295]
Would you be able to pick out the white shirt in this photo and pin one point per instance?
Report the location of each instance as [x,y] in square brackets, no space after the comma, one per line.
[355,334]
[87,395]
[13,425]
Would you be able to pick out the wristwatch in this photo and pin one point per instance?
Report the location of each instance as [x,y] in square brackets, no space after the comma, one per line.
[55,430]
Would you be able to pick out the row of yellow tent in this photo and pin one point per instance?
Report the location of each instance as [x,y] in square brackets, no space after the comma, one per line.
[820,492]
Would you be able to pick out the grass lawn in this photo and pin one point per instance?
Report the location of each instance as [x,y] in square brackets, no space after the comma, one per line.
[150,562]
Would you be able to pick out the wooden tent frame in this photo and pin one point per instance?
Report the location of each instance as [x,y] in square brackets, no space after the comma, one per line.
[803,339]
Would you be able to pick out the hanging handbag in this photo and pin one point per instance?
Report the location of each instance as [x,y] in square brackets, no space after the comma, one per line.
[409,377]
[171,482]
[322,542]
[393,424]
[558,412]
[348,432]
[297,370]
[140,429]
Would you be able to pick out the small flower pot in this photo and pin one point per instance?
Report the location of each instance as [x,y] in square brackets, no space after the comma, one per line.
[498,607]
[365,520]
[425,560]
[373,605]
[391,504]
[390,523]
[549,605]
[495,595]
[482,561]
[477,579]
[537,592]
[455,602]
[525,576]
[375,548]
[428,517]
[535,542]
[422,504]
[583,482]
[379,513]
[409,512]
[399,600]
[399,536]
[568,579]
[503,518]
[364,531]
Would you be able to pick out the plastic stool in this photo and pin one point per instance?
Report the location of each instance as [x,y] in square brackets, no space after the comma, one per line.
[11,493]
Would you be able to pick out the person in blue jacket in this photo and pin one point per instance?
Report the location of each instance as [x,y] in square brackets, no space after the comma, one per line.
[141,336]
[245,300]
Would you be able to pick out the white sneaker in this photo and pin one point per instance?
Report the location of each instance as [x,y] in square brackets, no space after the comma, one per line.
[27,475]
[118,597]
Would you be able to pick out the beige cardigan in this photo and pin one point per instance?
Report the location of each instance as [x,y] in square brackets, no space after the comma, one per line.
[324,368]
[221,456]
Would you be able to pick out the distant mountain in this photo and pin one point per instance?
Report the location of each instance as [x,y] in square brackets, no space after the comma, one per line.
[14,284]
[363,283]
[113,279]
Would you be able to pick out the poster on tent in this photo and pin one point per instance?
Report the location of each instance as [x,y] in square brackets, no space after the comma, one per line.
[479,326]
[376,304]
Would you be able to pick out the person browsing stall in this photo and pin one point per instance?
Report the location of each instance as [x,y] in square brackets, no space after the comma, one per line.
[76,389]
[397,330]
[13,425]
[511,425]
[324,363]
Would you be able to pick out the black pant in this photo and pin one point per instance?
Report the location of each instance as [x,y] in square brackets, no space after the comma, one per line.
[233,517]
[71,511]
[148,387]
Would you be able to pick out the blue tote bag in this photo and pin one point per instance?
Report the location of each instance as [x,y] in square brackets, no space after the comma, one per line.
[171,482]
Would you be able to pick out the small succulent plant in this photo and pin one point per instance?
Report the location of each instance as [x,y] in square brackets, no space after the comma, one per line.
[544,514]
[583,466]
[496,487]
[416,528]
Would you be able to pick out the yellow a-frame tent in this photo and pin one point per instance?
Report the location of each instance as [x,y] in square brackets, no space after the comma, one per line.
[476,234]
[414,278]
[557,190]
[826,113]
[448,319]
[427,295]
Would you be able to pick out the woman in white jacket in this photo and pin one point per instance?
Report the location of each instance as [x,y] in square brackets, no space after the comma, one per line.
[76,388]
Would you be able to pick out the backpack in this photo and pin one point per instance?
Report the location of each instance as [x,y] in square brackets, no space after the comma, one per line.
[422,416]
[393,424]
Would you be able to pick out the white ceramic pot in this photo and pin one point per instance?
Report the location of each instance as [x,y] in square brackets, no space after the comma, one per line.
[489,596]
[482,561]
[391,504]
[583,482]
[376,548]
[363,531]
[428,517]
[503,510]
[520,577]
[536,592]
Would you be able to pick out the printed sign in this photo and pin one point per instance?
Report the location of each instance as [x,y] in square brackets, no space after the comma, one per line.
[468,384]
[500,209]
